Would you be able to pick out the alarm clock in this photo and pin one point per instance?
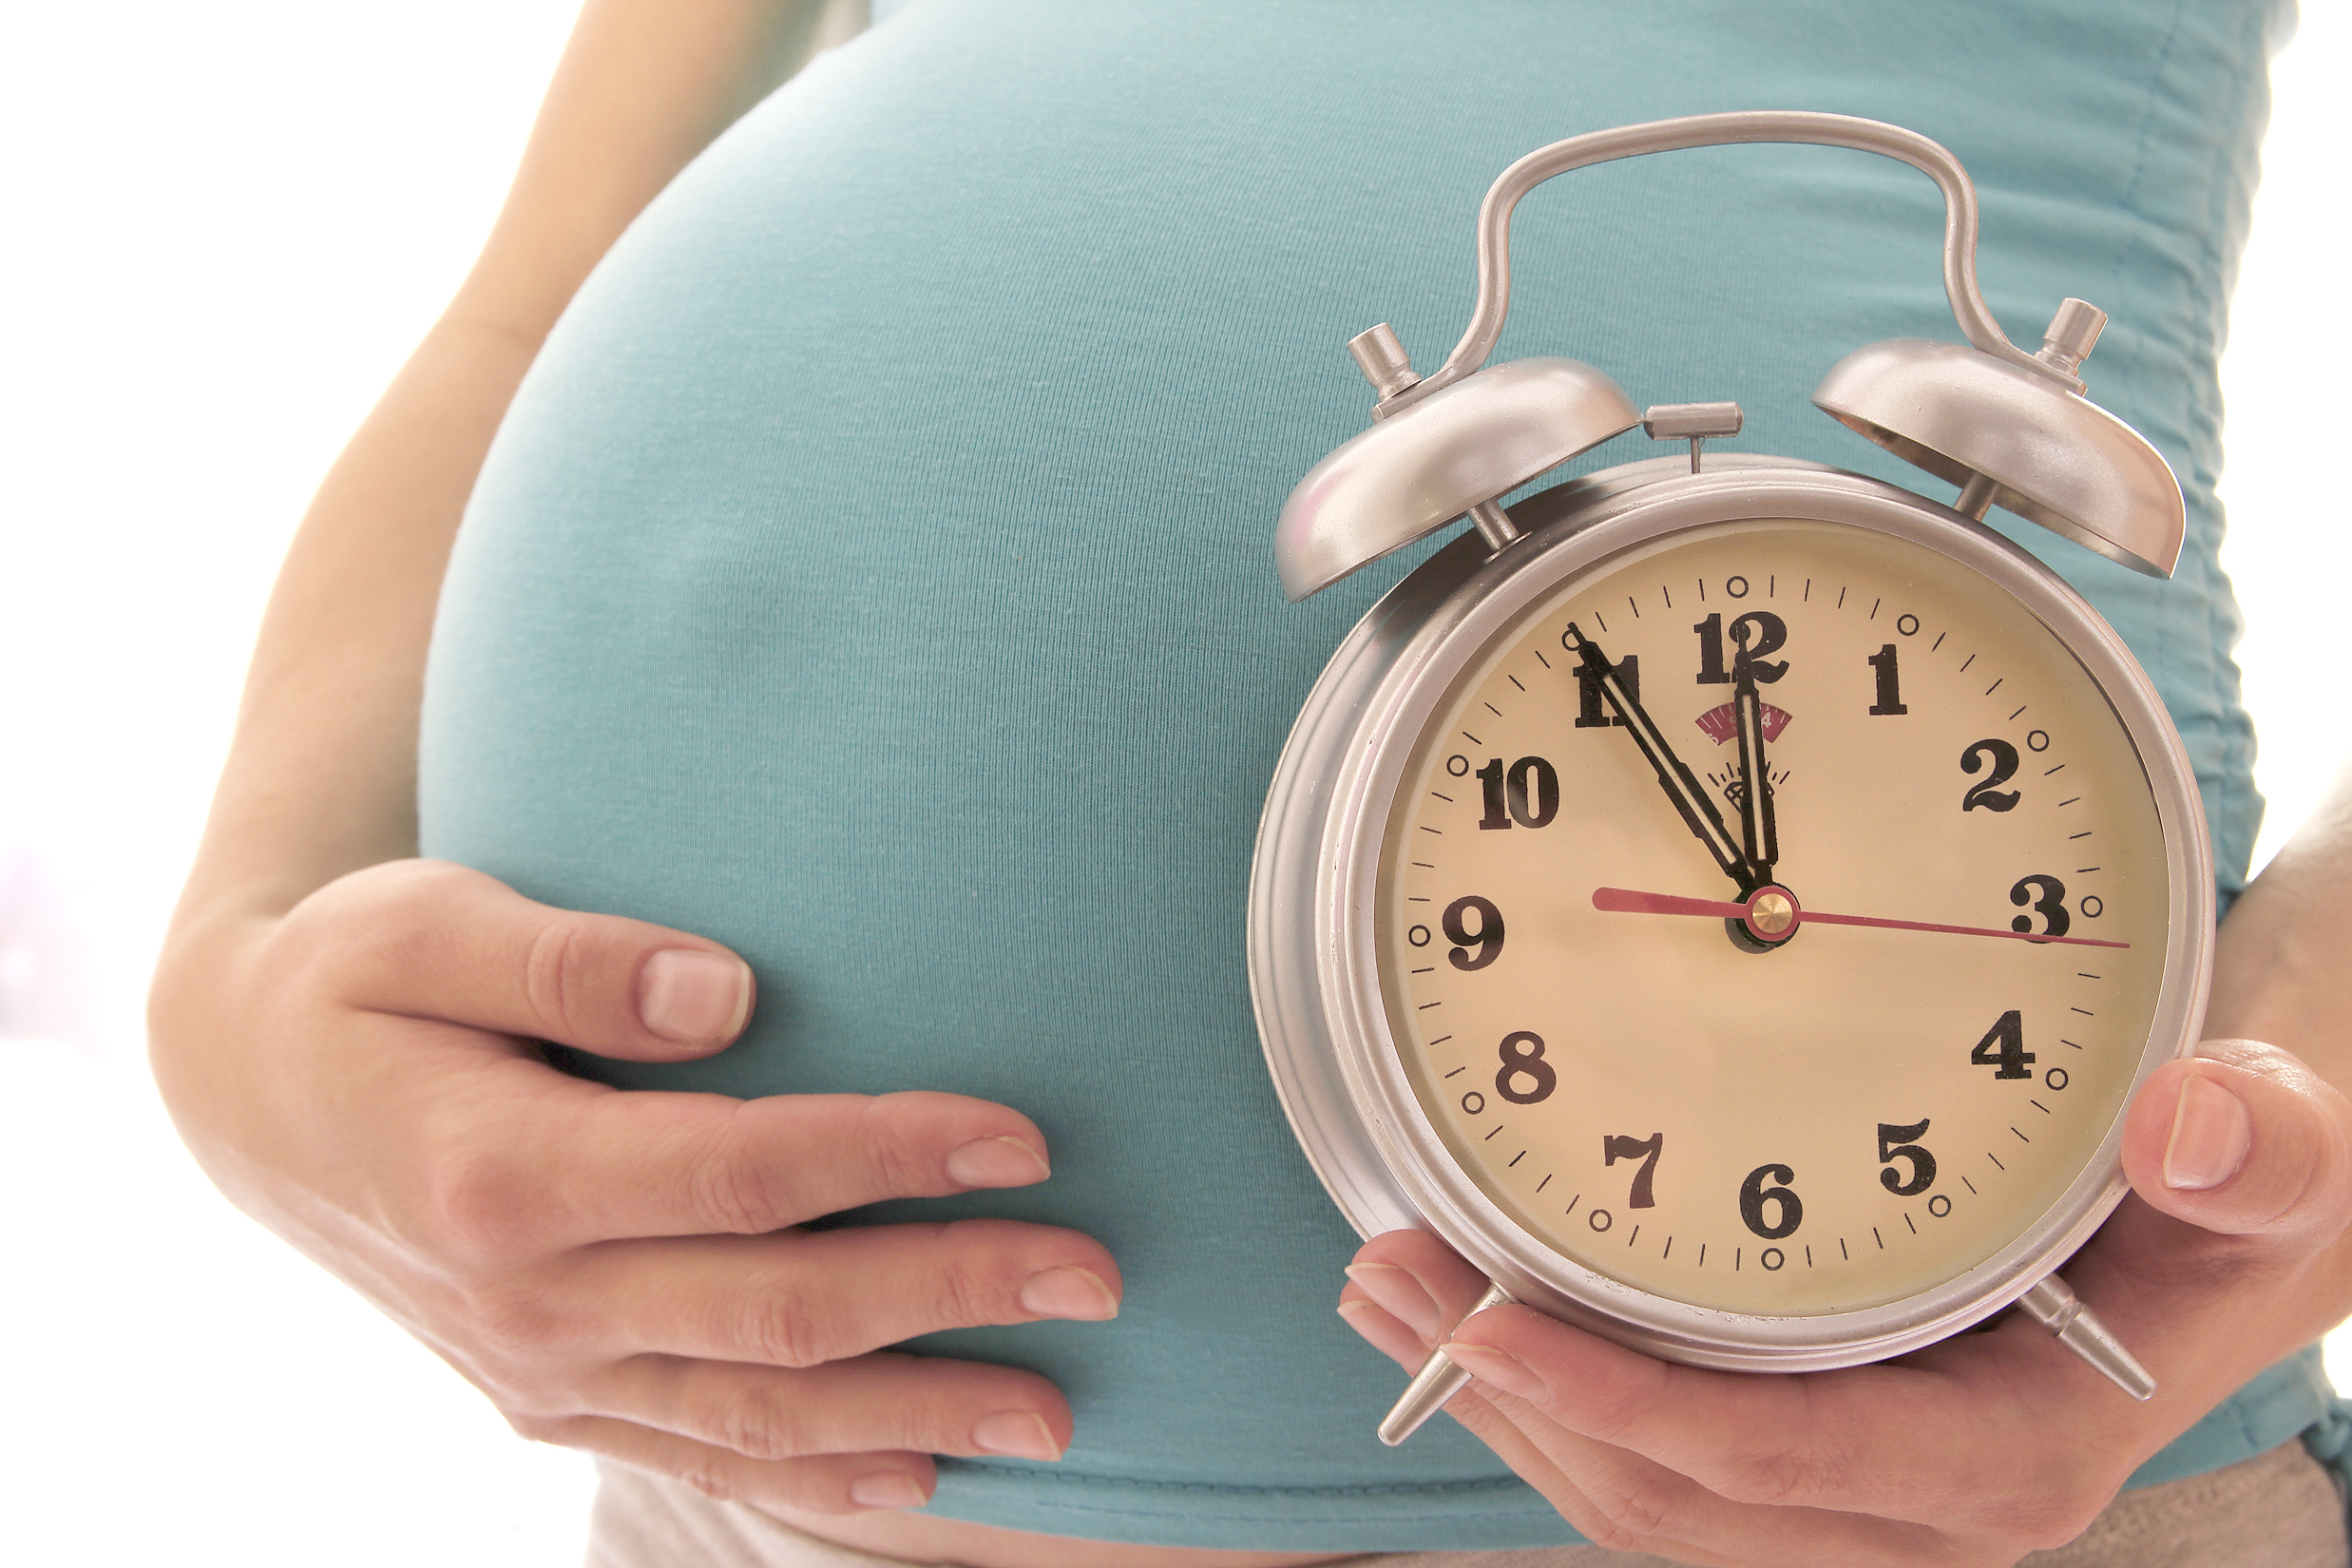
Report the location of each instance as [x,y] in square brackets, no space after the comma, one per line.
[1730,899]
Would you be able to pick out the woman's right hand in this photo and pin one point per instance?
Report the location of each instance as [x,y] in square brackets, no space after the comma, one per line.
[618,1271]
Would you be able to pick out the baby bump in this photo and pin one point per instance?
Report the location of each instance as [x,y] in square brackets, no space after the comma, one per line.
[873,575]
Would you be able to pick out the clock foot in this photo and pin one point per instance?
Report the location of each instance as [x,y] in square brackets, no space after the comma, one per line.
[1438,1381]
[2057,1309]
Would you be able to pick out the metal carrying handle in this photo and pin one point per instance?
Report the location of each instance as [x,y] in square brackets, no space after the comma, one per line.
[1708,130]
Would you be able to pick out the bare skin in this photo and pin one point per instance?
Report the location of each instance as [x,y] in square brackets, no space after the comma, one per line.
[341,1033]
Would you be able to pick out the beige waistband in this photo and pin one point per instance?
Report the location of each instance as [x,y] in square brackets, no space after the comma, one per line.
[2277,1510]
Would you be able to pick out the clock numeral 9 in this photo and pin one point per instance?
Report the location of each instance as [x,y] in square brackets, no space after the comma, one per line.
[1528,793]
[1895,1143]
[2004,1048]
[1622,1146]
[2051,906]
[1758,633]
[1754,1194]
[1990,795]
[1522,1057]
[1487,939]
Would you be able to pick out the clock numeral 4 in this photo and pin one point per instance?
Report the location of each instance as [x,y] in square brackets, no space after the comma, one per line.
[1473,949]
[2004,1048]
[1989,794]
[1621,1146]
[1896,1143]
[1527,792]
[1758,633]
[1789,1212]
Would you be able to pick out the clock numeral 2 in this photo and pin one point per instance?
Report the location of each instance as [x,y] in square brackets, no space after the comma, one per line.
[1754,1194]
[2004,1048]
[1527,792]
[1621,1146]
[1990,795]
[1758,633]
[1896,1143]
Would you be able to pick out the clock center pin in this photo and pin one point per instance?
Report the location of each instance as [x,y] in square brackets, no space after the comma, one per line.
[1772,913]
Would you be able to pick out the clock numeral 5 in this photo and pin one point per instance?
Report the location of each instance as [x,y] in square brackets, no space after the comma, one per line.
[1895,1143]
[1620,1146]
[1759,632]
[1527,794]
[2003,1047]
[1754,1194]
[1990,795]
[1487,939]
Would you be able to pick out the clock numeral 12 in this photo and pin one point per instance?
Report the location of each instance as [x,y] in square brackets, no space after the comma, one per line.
[1758,633]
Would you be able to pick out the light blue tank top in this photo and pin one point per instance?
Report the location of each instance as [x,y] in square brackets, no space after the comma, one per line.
[875,573]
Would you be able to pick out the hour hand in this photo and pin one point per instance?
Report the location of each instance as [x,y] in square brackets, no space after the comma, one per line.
[1681,786]
[1760,839]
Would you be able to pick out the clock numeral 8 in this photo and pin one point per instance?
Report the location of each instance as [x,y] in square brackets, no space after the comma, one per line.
[1522,1057]
[1754,1194]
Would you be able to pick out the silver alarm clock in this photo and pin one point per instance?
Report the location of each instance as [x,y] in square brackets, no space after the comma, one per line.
[1730,899]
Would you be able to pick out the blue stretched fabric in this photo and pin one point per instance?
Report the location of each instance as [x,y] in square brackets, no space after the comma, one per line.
[875,573]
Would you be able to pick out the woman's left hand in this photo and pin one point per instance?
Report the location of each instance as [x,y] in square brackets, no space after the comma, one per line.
[1974,1451]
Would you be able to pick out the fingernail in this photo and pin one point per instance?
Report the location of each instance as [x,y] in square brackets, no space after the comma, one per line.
[886,1489]
[2211,1133]
[1019,1433]
[1069,1292]
[996,1162]
[1497,1368]
[1400,1294]
[692,997]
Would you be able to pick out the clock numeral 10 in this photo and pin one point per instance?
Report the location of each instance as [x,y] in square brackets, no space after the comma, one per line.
[1758,633]
[2003,1049]
[1527,792]
[1789,1212]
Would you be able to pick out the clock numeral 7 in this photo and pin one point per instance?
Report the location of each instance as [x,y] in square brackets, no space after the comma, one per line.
[1618,1146]
[1896,1143]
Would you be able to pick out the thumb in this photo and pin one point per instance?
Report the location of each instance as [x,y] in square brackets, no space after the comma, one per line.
[428,939]
[2243,1140]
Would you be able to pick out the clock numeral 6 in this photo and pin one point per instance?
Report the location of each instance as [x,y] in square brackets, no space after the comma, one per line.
[1522,1057]
[1621,1146]
[1527,794]
[2004,1048]
[1895,1143]
[1754,1194]
[1488,938]
[1990,795]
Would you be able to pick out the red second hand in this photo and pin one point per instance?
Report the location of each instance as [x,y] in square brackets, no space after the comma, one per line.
[1627,901]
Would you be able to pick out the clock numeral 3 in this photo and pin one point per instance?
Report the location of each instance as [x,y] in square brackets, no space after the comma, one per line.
[2051,906]
[1754,1194]
[1990,795]
[1528,793]
[1895,1143]
[1758,632]
[1621,1146]
[1487,939]
[2003,1047]
[1522,1057]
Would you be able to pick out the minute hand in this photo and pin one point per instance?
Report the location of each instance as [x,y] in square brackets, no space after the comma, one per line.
[1698,812]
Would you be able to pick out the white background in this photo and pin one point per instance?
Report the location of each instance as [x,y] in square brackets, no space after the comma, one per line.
[229,222]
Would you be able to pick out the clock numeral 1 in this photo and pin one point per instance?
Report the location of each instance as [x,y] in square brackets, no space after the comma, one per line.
[1754,1194]
[1527,792]
[1758,633]
[1890,681]
[1592,711]
[1896,1143]
[1620,1146]
[2003,1047]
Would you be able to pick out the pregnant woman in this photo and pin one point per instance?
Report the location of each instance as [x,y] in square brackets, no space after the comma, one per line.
[870,576]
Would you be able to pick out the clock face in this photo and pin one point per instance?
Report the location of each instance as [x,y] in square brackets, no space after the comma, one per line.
[1808,1116]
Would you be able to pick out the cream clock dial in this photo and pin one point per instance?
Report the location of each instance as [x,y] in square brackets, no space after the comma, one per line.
[1850,1114]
